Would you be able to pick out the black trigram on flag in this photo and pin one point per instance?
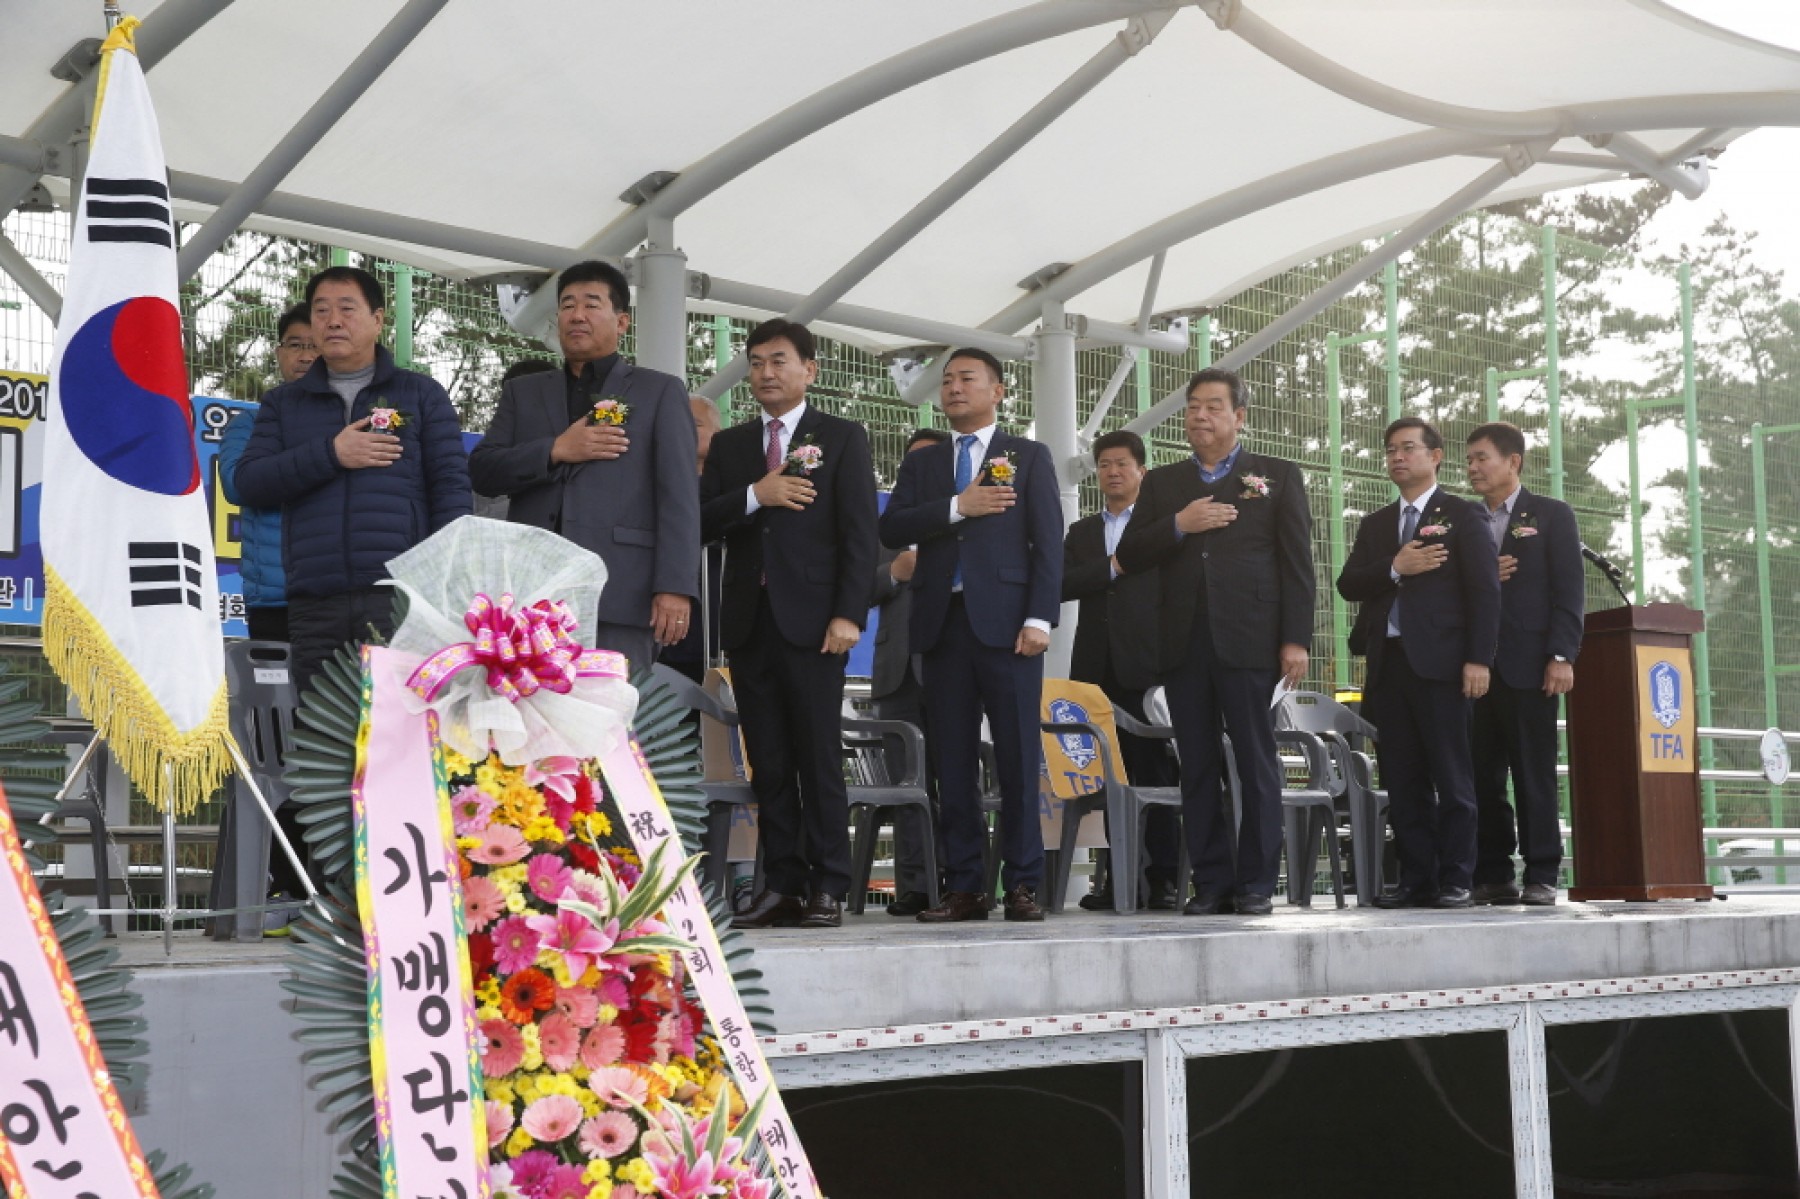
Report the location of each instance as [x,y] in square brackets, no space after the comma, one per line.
[164,572]
[132,209]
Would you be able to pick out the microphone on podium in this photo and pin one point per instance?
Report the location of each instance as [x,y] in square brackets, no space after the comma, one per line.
[1613,574]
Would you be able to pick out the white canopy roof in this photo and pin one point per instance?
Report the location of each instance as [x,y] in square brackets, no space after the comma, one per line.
[1239,137]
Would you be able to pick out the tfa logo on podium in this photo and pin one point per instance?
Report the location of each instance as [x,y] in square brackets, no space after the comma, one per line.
[1665,709]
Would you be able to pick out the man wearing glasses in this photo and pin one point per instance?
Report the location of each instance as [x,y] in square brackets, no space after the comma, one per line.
[1425,572]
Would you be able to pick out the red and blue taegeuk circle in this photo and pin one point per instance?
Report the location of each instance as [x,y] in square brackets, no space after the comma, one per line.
[123,391]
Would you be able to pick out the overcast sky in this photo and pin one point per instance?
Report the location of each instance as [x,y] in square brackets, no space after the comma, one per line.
[1757,180]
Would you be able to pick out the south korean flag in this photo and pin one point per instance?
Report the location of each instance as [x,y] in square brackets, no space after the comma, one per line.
[131,621]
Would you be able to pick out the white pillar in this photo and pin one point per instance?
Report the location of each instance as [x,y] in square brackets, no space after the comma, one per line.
[1053,401]
[660,314]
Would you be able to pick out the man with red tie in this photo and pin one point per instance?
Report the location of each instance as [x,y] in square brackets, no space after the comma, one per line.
[792,492]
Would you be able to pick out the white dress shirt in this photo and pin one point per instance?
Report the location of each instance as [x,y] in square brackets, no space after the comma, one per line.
[1115,529]
[789,421]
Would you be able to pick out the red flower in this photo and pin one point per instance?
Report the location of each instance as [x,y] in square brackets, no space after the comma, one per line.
[587,794]
[584,857]
[525,993]
[640,1037]
[481,955]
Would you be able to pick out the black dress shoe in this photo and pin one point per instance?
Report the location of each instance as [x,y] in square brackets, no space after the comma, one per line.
[957,906]
[909,903]
[1502,893]
[1207,903]
[1538,895]
[825,911]
[1453,897]
[1100,900]
[1253,905]
[1021,904]
[771,909]
[1396,898]
[1163,896]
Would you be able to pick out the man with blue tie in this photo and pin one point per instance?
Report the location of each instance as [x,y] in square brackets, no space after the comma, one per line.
[986,514]
[1425,572]
[1232,534]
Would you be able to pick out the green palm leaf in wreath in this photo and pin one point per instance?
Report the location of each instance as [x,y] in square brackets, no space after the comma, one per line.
[329,979]
[104,985]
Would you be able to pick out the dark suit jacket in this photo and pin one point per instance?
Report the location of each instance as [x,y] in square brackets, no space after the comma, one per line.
[1450,615]
[639,511]
[818,560]
[893,651]
[1256,572]
[1118,619]
[1011,561]
[1541,606]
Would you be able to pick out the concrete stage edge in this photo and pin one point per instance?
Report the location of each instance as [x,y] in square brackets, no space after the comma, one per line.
[888,998]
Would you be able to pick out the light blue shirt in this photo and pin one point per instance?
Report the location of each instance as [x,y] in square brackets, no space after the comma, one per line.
[1114,527]
[1224,468]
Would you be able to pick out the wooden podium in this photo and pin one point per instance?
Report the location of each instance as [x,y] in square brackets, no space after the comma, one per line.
[1634,753]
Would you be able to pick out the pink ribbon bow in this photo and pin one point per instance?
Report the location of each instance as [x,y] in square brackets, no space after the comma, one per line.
[523,652]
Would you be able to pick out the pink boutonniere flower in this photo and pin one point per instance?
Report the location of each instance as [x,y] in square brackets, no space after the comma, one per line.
[386,420]
[805,457]
[1256,487]
[1433,530]
[1525,531]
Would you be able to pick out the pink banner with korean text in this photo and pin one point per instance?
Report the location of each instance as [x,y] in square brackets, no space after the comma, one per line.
[426,1070]
[63,1133]
[648,821]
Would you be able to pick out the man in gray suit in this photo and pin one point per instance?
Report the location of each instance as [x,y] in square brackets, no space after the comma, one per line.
[603,452]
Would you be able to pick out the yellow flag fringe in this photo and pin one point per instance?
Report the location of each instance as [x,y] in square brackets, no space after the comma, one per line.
[137,732]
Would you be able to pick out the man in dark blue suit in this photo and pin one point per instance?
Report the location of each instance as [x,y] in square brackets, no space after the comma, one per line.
[1541,605]
[1232,534]
[986,515]
[1425,572]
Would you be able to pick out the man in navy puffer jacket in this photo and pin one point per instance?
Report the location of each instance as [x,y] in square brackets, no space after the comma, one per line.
[259,529]
[365,461]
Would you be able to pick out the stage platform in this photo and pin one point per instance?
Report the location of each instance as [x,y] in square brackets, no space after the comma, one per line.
[885,998]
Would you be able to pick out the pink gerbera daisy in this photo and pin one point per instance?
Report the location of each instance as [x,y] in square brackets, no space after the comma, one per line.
[560,1041]
[482,902]
[501,845]
[503,1048]
[608,1135]
[552,1118]
[579,1004]
[619,1087]
[531,1170]
[547,877]
[499,1120]
[564,1183]
[604,1046]
[470,809]
[515,945]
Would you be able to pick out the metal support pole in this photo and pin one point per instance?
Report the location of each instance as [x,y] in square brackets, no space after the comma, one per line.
[262,801]
[721,356]
[1340,619]
[1766,610]
[1493,393]
[37,288]
[1690,407]
[1365,269]
[403,316]
[1390,288]
[1552,371]
[1203,339]
[299,141]
[1637,501]
[339,256]
[661,308]
[1117,51]
[1141,384]
[170,898]
[1053,406]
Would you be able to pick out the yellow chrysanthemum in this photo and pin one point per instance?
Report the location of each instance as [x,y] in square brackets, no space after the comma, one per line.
[488,993]
[487,1011]
[467,843]
[664,964]
[637,1172]
[598,1171]
[552,962]
[606,1013]
[534,1053]
[516,903]
[518,1142]
[599,824]
[543,828]
[500,1090]
[590,1102]
[454,763]
[509,878]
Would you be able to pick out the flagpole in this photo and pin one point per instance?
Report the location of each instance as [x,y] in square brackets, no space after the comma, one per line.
[113,15]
